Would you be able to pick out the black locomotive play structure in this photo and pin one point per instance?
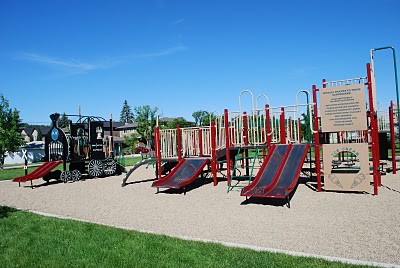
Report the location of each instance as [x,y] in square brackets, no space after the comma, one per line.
[85,148]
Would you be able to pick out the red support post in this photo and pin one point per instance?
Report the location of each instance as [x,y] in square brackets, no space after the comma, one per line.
[200,142]
[178,133]
[282,126]
[158,151]
[245,130]
[299,129]
[392,137]
[227,145]
[316,138]
[374,134]
[214,152]
[268,126]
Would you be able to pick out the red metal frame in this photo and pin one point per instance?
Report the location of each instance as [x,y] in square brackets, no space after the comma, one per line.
[178,133]
[374,134]
[245,129]
[282,126]
[227,147]
[214,152]
[316,138]
[268,126]
[299,129]
[392,137]
[200,142]
[158,151]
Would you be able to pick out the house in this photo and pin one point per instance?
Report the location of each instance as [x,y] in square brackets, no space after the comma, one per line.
[34,153]
[32,133]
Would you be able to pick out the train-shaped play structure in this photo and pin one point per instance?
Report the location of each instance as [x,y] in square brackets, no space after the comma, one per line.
[81,148]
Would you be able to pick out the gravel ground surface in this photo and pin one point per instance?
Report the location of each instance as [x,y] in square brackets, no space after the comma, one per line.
[354,226]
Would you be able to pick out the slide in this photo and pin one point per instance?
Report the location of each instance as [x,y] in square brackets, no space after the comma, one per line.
[184,173]
[278,177]
[39,172]
[136,166]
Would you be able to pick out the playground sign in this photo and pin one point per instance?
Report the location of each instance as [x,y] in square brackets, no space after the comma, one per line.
[346,167]
[343,108]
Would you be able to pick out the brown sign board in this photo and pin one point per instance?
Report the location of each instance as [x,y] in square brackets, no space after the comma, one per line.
[346,167]
[343,108]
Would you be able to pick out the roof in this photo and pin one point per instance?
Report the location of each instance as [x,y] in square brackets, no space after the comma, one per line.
[166,119]
[128,126]
[34,145]
[43,130]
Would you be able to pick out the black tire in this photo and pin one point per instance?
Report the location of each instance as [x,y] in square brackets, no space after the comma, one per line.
[96,168]
[76,175]
[65,176]
[110,167]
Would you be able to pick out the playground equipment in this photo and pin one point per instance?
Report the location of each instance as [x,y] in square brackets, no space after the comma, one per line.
[338,127]
[236,140]
[85,149]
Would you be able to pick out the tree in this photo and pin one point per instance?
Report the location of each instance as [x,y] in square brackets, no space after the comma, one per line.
[10,129]
[182,122]
[131,141]
[63,122]
[202,118]
[146,119]
[126,115]
[39,135]
[305,127]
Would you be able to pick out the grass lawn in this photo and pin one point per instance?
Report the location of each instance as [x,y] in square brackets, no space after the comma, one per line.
[28,239]
[131,161]
[9,174]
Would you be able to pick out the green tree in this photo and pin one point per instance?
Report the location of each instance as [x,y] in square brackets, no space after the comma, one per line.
[63,122]
[39,135]
[182,122]
[203,118]
[131,141]
[305,127]
[126,115]
[146,119]
[10,129]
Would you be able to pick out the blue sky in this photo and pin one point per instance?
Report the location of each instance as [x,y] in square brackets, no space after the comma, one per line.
[183,56]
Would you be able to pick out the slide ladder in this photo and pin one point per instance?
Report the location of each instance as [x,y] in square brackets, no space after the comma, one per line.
[246,162]
[187,170]
[279,174]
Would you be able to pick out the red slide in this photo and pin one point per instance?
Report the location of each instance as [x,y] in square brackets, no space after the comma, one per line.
[39,172]
[184,173]
[279,173]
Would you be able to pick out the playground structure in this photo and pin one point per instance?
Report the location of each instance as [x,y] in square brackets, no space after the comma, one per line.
[85,149]
[272,136]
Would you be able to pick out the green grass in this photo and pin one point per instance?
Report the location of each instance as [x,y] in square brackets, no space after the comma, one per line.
[31,240]
[130,161]
[9,174]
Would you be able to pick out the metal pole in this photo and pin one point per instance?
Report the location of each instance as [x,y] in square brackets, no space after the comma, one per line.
[395,78]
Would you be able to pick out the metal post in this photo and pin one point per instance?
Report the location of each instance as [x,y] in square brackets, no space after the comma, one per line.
[316,139]
[111,145]
[374,133]
[282,126]
[268,126]
[214,152]
[158,151]
[178,133]
[200,142]
[227,145]
[395,78]
[392,137]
